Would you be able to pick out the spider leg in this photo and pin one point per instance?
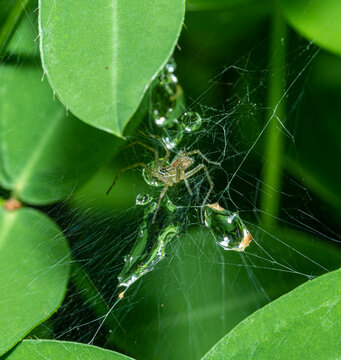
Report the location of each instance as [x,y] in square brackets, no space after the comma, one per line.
[156,154]
[198,152]
[188,187]
[163,192]
[166,157]
[126,169]
[209,179]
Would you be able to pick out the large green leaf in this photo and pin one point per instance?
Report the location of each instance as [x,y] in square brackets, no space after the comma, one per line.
[304,324]
[34,269]
[61,350]
[44,153]
[101,56]
[199,292]
[319,21]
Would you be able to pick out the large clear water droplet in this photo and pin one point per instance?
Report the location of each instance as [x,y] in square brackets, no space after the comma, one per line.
[143,199]
[191,121]
[227,228]
[151,180]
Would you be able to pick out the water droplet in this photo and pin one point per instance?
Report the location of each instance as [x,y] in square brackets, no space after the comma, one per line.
[170,206]
[143,199]
[150,244]
[150,180]
[191,121]
[227,228]
[169,142]
[171,66]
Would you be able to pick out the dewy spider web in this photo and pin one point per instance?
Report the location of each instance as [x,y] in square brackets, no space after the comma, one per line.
[180,301]
[198,292]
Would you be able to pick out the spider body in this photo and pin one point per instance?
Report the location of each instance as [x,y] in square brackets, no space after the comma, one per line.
[175,172]
[170,174]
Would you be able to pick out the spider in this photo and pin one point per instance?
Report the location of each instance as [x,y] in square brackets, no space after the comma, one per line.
[170,174]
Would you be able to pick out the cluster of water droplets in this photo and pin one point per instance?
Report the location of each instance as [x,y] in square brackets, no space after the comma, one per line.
[151,240]
[226,227]
[169,117]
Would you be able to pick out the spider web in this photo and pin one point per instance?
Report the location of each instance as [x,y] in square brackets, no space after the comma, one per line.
[198,292]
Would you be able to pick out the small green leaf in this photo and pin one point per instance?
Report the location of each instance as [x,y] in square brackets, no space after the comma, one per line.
[318,21]
[34,269]
[44,153]
[61,350]
[100,57]
[304,324]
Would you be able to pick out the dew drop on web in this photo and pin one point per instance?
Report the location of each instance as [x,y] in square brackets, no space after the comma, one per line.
[227,228]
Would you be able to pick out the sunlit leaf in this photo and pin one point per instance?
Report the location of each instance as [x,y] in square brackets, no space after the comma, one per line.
[318,21]
[61,350]
[305,324]
[45,154]
[34,269]
[100,57]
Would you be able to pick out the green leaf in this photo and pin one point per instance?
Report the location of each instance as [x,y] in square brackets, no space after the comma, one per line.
[44,153]
[100,57]
[61,350]
[304,324]
[199,292]
[319,21]
[34,269]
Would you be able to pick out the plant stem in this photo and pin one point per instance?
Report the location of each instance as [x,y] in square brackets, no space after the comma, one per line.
[273,163]
[10,25]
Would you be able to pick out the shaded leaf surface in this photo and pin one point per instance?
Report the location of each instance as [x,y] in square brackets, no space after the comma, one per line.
[100,57]
[34,269]
[61,350]
[319,21]
[304,324]
[44,153]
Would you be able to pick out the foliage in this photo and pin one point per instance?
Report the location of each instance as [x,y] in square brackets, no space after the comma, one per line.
[59,137]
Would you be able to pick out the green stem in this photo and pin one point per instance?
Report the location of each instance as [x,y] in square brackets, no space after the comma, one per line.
[10,25]
[273,163]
